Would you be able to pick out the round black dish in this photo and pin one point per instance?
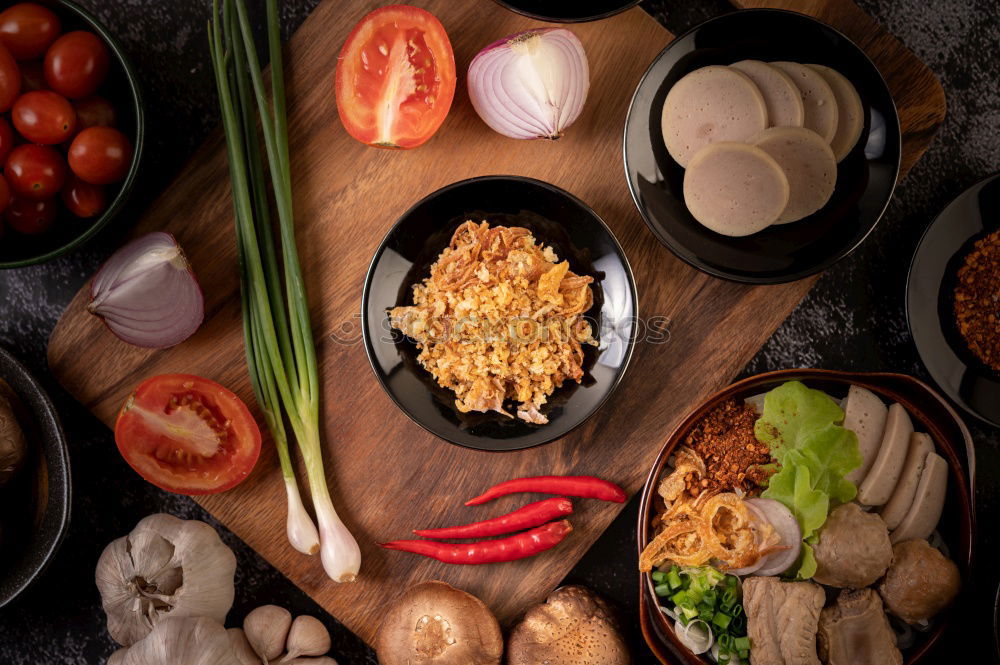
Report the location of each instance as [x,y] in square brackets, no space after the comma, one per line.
[23,559]
[555,218]
[781,253]
[929,297]
[122,89]
[562,11]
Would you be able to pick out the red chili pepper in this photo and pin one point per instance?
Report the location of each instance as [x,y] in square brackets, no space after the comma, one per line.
[511,548]
[587,487]
[530,515]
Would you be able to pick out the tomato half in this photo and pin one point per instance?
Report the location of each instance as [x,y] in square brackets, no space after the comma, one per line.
[187,434]
[395,77]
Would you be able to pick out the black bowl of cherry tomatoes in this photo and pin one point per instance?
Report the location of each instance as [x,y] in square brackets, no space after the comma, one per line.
[71,129]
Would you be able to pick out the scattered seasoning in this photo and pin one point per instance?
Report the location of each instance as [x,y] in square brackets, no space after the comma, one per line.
[733,456]
[977,300]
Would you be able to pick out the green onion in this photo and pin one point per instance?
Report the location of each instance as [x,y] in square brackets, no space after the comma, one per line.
[721,619]
[281,353]
[659,576]
[741,643]
[662,590]
[674,578]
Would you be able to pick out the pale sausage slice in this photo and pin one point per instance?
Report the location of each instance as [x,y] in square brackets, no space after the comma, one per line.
[865,414]
[878,485]
[850,112]
[735,189]
[710,104]
[928,502]
[902,497]
[817,97]
[781,95]
[808,163]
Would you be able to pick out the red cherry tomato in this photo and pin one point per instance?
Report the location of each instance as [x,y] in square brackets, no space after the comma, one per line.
[6,139]
[83,199]
[27,29]
[94,111]
[32,76]
[31,217]
[44,117]
[100,155]
[5,195]
[35,172]
[10,80]
[77,64]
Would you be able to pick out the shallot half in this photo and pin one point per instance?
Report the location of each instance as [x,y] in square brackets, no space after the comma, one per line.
[530,85]
[147,293]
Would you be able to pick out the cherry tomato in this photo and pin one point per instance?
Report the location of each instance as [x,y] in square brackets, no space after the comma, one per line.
[32,76]
[5,195]
[77,64]
[35,172]
[10,79]
[395,77]
[100,155]
[31,217]
[187,434]
[6,139]
[27,29]
[44,117]
[83,199]
[94,111]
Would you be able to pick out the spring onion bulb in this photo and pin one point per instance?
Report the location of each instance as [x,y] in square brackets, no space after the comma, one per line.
[281,354]
[530,85]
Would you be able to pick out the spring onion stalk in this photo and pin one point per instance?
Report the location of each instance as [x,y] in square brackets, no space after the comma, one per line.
[281,353]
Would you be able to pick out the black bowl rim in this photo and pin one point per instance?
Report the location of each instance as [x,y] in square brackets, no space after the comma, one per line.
[909,319]
[59,448]
[555,19]
[369,276]
[744,279]
[138,108]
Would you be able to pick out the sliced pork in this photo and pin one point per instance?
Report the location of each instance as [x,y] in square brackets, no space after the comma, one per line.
[782,620]
[855,631]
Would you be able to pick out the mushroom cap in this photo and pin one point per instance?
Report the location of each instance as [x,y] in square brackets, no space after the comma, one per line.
[572,626]
[433,623]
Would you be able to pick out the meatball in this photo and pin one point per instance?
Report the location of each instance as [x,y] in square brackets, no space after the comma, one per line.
[853,549]
[920,583]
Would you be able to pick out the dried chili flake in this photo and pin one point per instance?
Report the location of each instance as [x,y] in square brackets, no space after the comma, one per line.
[977,300]
[733,456]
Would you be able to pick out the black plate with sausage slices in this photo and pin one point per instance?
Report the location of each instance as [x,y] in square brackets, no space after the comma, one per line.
[781,253]
[568,11]
[929,300]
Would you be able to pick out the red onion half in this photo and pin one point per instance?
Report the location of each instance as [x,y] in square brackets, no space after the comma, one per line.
[147,294]
[530,85]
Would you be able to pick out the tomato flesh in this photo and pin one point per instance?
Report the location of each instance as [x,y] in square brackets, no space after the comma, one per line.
[187,434]
[395,78]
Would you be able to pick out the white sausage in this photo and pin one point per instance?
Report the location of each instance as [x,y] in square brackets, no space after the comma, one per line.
[884,473]
[902,497]
[864,414]
[928,503]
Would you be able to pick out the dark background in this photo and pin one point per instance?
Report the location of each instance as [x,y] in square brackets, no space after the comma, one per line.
[854,319]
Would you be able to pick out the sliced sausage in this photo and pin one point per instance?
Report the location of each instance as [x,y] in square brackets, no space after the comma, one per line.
[864,414]
[821,111]
[928,502]
[878,485]
[850,112]
[781,95]
[902,497]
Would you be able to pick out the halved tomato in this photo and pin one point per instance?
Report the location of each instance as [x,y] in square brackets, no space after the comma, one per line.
[395,77]
[187,434]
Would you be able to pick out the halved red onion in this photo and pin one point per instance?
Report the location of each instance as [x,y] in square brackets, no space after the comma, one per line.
[530,85]
[147,294]
[787,527]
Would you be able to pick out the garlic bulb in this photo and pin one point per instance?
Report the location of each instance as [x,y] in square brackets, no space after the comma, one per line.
[183,641]
[164,566]
[320,660]
[118,657]
[307,637]
[241,647]
[266,629]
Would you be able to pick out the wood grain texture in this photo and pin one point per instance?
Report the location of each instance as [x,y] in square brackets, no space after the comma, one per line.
[387,475]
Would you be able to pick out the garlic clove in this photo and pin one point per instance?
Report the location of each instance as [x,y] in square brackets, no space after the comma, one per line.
[183,641]
[307,637]
[118,657]
[267,629]
[241,647]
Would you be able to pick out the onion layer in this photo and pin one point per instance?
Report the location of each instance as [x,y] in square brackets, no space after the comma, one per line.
[787,527]
[147,294]
[530,85]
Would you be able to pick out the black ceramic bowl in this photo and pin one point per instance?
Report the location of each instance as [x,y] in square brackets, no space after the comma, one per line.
[122,89]
[781,253]
[32,534]
[930,300]
[566,11]
[555,218]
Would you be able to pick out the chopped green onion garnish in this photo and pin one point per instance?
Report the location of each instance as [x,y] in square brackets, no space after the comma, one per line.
[662,590]
[659,576]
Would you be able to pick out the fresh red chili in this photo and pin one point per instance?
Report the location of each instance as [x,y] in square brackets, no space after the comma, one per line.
[587,487]
[530,515]
[511,548]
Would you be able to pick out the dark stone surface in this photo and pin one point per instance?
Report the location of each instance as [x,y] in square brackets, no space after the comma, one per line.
[854,319]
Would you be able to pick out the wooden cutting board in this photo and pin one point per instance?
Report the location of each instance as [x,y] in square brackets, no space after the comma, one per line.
[388,475]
